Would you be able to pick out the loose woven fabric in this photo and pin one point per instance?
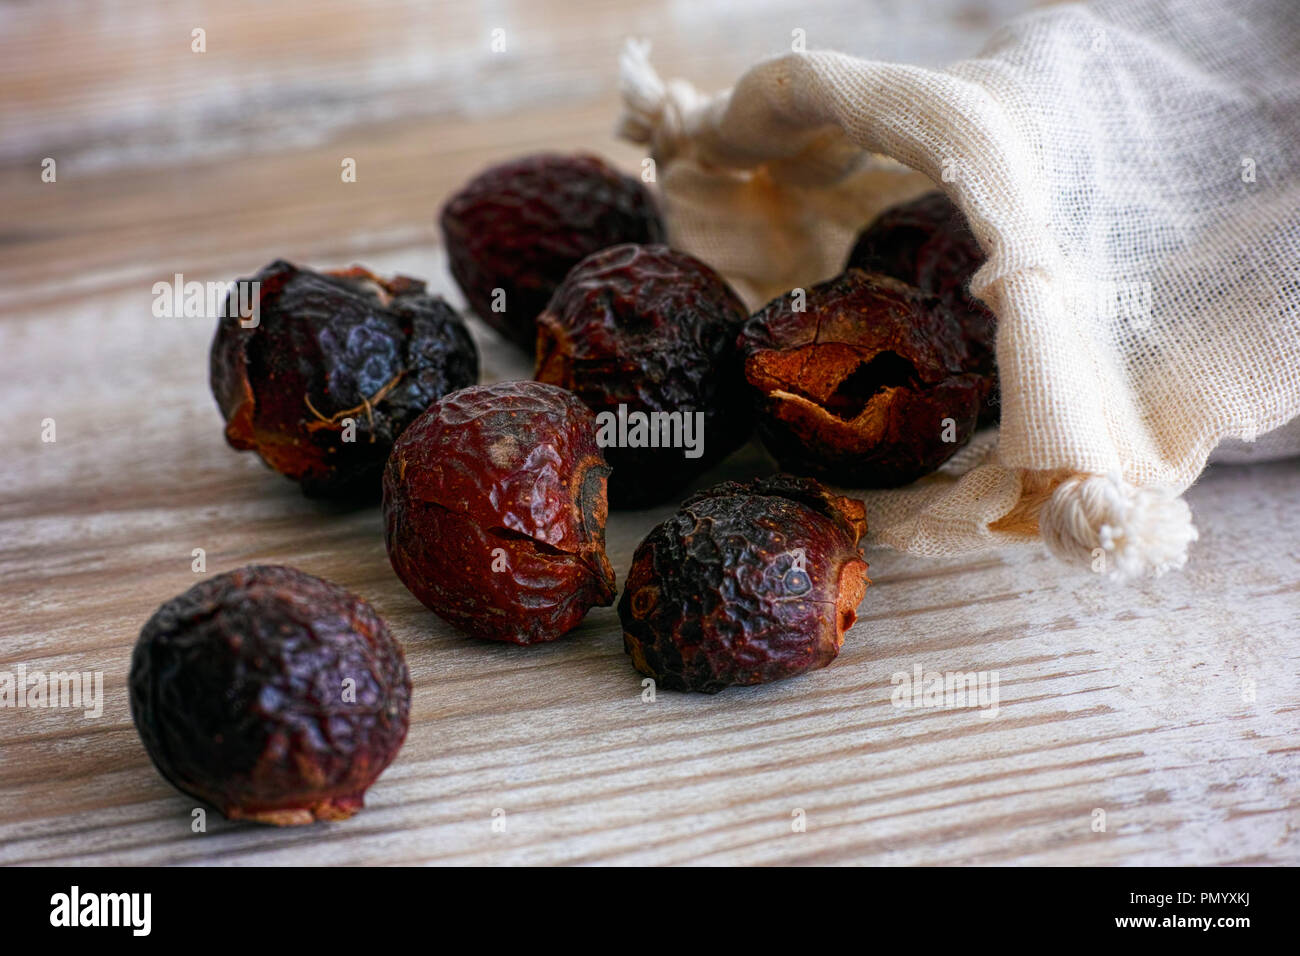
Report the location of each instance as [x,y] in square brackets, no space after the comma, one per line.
[1132,170]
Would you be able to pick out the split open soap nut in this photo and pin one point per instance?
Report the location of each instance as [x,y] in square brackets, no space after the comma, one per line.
[863,382]
[926,242]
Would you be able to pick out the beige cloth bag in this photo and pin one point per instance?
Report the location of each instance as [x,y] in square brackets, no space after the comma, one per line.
[1132,170]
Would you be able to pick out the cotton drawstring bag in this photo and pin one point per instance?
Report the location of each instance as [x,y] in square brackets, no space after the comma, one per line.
[1131,169]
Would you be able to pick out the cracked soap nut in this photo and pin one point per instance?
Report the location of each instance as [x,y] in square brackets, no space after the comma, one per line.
[927,243]
[495,507]
[647,329]
[271,694]
[748,583]
[521,226]
[866,387]
[328,349]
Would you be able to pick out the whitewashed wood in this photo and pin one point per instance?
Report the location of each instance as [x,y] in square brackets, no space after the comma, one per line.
[1125,699]
[1130,700]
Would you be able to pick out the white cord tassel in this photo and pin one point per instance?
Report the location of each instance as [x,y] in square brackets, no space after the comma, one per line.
[660,114]
[1116,528]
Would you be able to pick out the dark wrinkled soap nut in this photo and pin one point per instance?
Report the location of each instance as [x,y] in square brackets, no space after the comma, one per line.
[521,226]
[495,507]
[926,242]
[646,336]
[337,366]
[273,695]
[866,387]
[746,584]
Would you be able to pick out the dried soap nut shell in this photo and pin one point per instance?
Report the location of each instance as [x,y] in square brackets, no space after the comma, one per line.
[748,583]
[646,334]
[338,364]
[495,506]
[515,230]
[274,695]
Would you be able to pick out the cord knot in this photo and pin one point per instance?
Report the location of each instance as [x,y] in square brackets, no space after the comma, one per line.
[660,114]
[1122,530]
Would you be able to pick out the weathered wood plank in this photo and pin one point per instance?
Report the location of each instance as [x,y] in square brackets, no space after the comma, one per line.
[1171,705]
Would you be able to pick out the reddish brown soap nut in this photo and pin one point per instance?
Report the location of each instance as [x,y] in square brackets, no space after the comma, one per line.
[748,583]
[644,329]
[865,387]
[336,366]
[927,243]
[495,507]
[521,226]
[271,694]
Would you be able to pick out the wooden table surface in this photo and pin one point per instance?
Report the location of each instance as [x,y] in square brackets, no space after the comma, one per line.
[1170,706]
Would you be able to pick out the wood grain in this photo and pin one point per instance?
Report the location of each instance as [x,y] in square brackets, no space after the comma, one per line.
[1171,705]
